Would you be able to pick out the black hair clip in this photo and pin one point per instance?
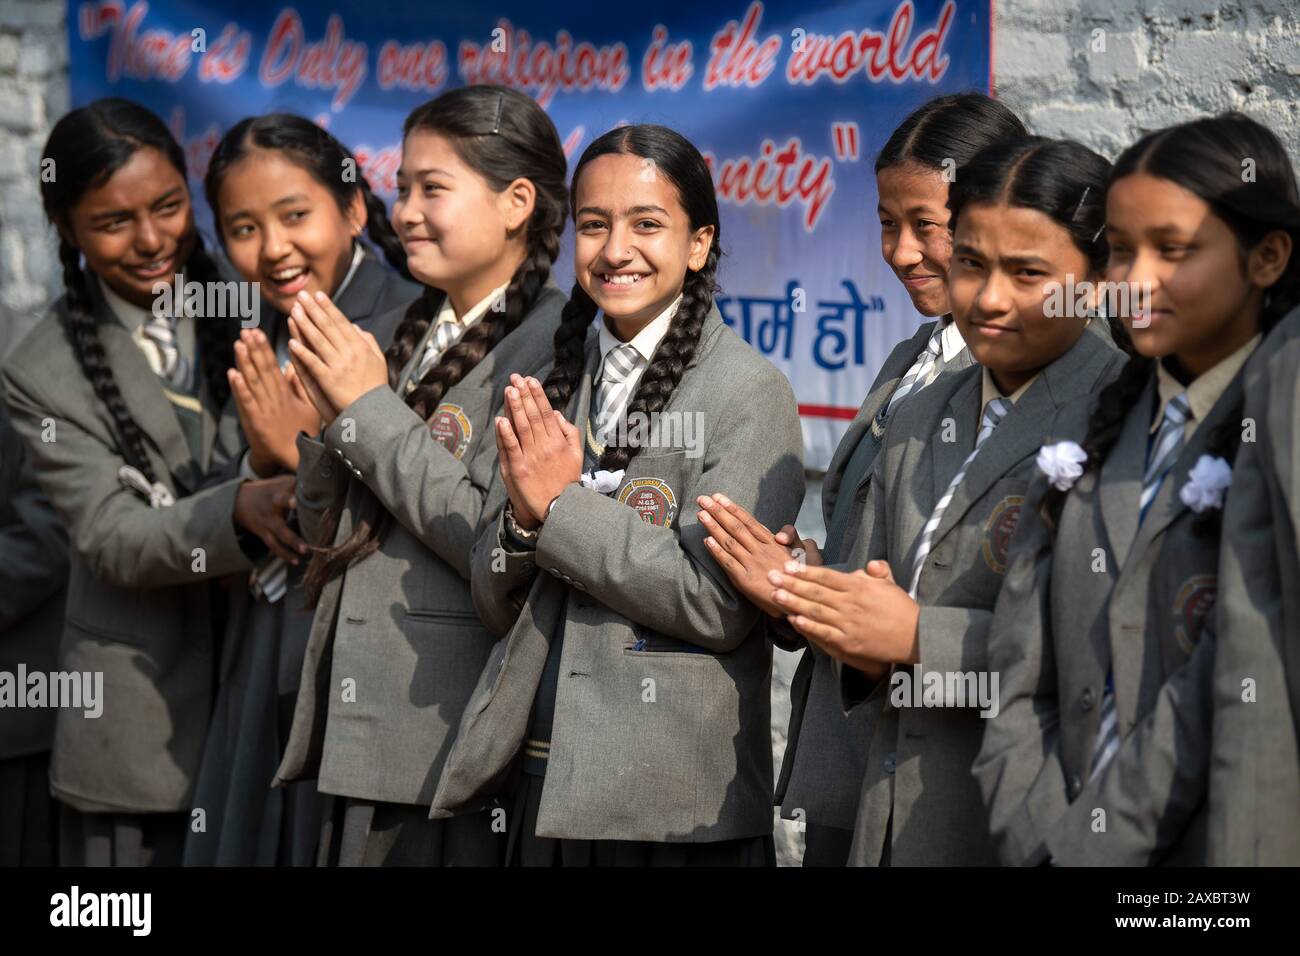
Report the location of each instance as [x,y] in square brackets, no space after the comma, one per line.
[496,124]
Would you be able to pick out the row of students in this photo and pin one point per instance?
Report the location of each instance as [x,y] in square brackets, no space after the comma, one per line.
[621,715]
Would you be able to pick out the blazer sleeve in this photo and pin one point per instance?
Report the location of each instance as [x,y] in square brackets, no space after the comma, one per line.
[668,581]
[1255,766]
[33,544]
[425,487]
[1019,768]
[855,686]
[123,541]
[320,481]
[503,572]
[1155,783]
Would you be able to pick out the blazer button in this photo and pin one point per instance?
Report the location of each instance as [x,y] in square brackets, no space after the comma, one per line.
[1086,699]
[326,471]
[1076,785]
[527,566]
[891,763]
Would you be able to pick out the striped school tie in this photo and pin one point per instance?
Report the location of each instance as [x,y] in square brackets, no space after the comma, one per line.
[1164,451]
[917,375]
[994,412]
[612,393]
[445,335]
[174,368]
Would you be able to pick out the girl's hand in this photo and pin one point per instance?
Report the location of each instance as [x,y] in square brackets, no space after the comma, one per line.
[302,379]
[262,508]
[863,619]
[789,537]
[344,361]
[541,452]
[271,411]
[745,549]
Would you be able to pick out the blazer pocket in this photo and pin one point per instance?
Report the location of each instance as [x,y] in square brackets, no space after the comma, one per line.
[657,485]
[443,616]
[651,643]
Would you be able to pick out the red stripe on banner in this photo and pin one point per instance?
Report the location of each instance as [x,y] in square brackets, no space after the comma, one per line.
[827,411]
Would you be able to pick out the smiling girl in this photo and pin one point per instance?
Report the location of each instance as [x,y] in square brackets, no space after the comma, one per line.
[401,483]
[945,496]
[821,774]
[291,206]
[627,708]
[118,402]
[1104,634]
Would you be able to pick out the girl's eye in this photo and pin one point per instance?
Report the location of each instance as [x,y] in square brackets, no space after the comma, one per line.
[647,224]
[969,263]
[888,224]
[1174,249]
[297,215]
[591,225]
[114,225]
[402,191]
[1031,273]
[171,208]
[431,188]
[926,224]
[239,232]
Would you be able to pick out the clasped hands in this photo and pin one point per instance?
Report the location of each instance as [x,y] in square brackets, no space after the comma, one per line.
[862,618]
[539,451]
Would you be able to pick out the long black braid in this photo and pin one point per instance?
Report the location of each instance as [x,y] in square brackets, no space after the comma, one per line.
[681,164]
[526,144]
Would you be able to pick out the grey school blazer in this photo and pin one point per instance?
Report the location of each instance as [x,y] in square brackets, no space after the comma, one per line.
[661,743]
[33,580]
[375,300]
[400,625]
[826,749]
[918,759]
[139,608]
[1254,801]
[1135,600]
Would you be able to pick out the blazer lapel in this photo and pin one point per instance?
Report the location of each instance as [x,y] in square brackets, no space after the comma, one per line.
[142,392]
[895,367]
[1069,378]
[1120,487]
[946,457]
[1168,504]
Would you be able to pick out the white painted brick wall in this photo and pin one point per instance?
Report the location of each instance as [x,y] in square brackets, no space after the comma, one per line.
[33,93]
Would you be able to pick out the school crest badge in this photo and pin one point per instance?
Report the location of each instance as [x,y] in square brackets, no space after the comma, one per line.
[1193,604]
[652,498]
[998,531]
[452,429]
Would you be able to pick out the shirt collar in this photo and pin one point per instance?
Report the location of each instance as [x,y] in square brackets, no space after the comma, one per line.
[358,253]
[989,389]
[1204,390]
[646,341]
[132,317]
[950,340]
[448,314]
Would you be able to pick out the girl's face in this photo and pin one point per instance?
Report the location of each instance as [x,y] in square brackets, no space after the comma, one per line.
[1204,300]
[284,230]
[136,229]
[634,240]
[1003,260]
[460,235]
[914,237]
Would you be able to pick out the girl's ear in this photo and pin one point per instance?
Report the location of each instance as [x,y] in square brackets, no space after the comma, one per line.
[517,203]
[1269,258]
[358,216]
[700,245]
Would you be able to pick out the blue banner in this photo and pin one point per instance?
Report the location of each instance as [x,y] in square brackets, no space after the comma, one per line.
[789,102]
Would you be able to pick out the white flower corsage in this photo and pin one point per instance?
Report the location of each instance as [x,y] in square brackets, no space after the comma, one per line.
[602,481]
[1206,484]
[1062,463]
